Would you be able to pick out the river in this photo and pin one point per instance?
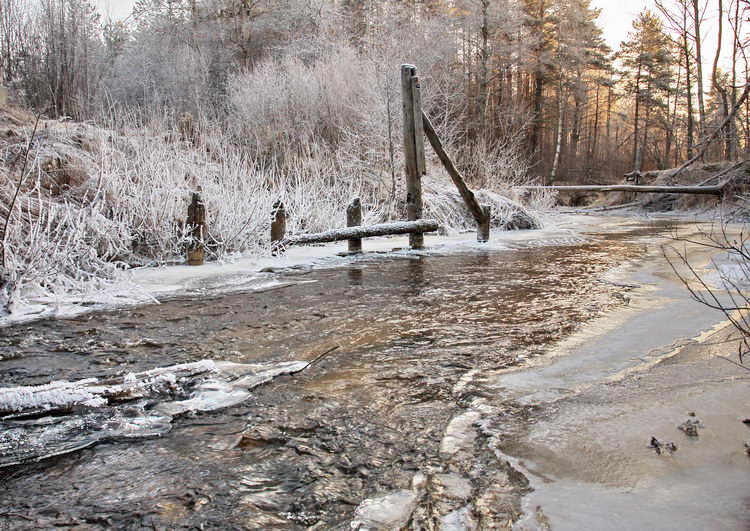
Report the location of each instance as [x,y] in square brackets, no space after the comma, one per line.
[436,369]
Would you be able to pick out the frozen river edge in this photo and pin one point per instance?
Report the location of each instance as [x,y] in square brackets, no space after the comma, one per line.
[578,423]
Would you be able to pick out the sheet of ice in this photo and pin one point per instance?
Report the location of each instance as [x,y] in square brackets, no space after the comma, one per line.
[459,434]
[388,511]
[459,520]
[27,441]
[92,393]
[55,394]
[146,404]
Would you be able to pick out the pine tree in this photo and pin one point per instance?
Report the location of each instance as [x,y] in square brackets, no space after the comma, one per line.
[646,59]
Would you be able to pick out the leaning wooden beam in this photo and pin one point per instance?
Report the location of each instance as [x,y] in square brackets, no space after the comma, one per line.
[458,179]
[703,190]
[384,229]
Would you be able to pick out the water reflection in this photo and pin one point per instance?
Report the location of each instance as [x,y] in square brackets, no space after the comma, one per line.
[355,276]
[414,276]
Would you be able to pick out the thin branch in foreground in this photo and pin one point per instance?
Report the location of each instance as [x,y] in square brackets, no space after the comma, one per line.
[13,201]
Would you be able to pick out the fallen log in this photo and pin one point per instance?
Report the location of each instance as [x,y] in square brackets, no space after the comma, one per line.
[703,190]
[383,229]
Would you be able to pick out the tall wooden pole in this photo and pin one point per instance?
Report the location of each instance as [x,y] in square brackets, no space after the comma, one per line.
[414,158]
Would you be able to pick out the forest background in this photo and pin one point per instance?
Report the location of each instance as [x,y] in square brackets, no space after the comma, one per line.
[255,100]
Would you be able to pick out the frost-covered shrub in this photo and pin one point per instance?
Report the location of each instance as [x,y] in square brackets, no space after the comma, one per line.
[445,204]
[312,129]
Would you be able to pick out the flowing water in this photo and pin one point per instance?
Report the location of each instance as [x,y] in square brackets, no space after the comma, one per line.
[375,433]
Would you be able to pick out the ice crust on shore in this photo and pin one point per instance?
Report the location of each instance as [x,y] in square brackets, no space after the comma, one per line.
[251,272]
[137,405]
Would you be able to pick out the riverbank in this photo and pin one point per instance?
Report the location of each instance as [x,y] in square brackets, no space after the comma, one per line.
[250,272]
[579,425]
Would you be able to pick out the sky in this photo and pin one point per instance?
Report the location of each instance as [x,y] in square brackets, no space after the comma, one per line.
[616,18]
[116,8]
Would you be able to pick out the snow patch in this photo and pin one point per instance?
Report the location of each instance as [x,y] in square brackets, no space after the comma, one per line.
[121,406]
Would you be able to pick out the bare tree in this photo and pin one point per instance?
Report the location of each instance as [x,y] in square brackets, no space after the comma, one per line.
[726,287]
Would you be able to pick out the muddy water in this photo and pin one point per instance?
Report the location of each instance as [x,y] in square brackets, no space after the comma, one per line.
[368,418]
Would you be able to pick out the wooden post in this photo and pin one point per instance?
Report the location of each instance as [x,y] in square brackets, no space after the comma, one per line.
[635,175]
[196,220]
[483,228]
[416,94]
[354,219]
[413,148]
[278,228]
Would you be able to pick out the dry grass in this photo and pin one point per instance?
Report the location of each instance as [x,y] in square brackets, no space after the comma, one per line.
[98,200]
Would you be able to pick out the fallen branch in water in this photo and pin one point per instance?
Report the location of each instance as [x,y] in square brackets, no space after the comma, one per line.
[381,229]
[320,357]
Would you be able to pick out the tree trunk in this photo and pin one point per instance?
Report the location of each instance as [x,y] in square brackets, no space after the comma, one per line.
[719,88]
[688,87]
[636,116]
[536,128]
[699,68]
[558,139]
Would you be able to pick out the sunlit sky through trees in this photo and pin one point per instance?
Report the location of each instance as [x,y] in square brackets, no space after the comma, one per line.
[616,19]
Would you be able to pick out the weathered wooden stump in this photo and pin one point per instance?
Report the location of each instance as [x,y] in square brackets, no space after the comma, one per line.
[196,220]
[483,228]
[354,219]
[278,228]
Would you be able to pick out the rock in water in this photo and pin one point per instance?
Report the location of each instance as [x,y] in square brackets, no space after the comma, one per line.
[690,426]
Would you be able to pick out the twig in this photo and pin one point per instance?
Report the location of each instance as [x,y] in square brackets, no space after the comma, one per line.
[18,190]
[320,357]
[712,136]
[721,173]
[732,361]
[18,515]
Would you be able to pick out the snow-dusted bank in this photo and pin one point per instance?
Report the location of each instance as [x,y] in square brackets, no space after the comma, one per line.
[252,272]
